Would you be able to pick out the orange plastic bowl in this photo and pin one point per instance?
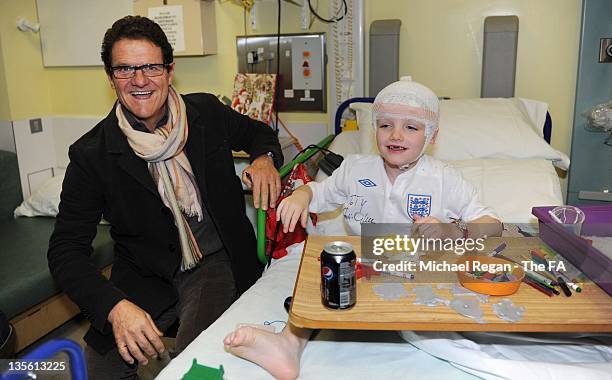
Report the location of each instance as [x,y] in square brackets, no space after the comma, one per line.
[489,287]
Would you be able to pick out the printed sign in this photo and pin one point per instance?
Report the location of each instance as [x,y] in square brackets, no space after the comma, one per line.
[170,19]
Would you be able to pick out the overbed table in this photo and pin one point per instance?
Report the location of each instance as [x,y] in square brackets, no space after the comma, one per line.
[588,311]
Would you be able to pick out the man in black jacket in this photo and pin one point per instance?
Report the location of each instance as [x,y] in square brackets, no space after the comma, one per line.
[159,169]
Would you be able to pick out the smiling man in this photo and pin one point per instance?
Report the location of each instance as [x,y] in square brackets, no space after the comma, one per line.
[159,169]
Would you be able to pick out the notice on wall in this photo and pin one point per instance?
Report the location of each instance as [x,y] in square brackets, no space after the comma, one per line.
[170,18]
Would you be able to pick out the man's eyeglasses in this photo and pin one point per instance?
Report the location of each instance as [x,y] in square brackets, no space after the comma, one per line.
[149,70]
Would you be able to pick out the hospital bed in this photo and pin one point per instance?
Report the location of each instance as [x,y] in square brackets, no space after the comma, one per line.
[501,147]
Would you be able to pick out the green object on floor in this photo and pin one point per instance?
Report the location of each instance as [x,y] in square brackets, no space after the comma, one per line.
[202,372]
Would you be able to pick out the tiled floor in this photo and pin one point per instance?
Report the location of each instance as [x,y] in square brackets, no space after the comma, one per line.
[75,329]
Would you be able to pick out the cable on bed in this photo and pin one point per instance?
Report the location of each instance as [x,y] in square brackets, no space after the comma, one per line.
[270,323]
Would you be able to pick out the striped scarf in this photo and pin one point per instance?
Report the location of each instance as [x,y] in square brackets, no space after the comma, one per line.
[163,150]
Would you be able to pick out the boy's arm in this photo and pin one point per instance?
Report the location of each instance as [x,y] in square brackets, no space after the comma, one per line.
[332,192]
[431,227]
[294,208]
[314,197]
[485,225]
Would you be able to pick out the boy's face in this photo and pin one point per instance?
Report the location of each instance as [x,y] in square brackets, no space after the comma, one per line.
[400,141]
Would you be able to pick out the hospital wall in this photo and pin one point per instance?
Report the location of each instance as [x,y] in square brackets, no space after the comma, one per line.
[26,91]
[4,106]
[32,90]
[441,46]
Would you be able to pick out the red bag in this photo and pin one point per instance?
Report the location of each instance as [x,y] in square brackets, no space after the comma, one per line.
[276,240]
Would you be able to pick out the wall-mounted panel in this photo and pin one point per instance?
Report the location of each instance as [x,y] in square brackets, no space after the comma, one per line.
[71,31]
[302,75]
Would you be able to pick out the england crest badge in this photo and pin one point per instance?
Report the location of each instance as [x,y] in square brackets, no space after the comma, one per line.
[419,204]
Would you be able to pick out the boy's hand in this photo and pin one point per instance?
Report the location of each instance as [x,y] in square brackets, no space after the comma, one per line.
[294,208]
[432,228]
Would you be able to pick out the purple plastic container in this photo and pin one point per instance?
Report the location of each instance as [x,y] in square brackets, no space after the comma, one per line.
[591,261]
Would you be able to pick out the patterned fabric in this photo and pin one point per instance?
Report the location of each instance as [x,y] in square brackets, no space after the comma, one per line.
[253,95]
[277,240]
[171,171]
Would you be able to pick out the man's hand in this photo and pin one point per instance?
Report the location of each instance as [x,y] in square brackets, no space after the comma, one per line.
[432,228]
[262,177]
[294,208]
[134,332]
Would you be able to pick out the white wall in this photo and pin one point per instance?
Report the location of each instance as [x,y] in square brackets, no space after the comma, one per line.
[44,155]
[7,141]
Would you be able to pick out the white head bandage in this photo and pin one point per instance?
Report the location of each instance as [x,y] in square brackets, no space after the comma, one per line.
[406,99]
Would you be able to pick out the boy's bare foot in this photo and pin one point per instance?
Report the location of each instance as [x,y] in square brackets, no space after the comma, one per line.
[278,354]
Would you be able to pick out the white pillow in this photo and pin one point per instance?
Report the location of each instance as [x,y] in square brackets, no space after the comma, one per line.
[512,187]
[367,140]
[479,128]
[44,201]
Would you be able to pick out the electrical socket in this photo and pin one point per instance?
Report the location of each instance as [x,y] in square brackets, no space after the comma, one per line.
[36,125]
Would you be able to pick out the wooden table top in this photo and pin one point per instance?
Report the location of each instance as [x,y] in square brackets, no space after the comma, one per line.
[588,311]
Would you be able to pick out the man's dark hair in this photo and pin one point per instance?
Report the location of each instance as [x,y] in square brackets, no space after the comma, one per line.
[134,28]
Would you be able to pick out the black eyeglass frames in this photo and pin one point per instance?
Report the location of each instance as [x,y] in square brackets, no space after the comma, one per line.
[149,70]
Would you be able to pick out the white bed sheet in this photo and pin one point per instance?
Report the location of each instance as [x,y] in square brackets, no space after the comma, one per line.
[327,357]
[496,356]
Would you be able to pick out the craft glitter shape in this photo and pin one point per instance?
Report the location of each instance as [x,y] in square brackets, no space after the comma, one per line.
[391,291]
[426,296]
[469,307]
[508,311]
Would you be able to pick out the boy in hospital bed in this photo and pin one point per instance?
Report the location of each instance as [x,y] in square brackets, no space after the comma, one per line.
[401,185]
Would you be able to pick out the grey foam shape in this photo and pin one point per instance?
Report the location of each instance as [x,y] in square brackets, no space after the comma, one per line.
[508,311]
[468,307]
[390,291]
[460,291]
[426,296]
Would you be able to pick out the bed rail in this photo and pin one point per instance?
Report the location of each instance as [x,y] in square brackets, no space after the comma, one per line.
[261,214]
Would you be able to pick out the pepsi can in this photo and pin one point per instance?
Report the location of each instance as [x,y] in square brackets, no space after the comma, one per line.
[338,282]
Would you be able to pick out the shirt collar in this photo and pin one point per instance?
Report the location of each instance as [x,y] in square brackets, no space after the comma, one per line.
[139,125]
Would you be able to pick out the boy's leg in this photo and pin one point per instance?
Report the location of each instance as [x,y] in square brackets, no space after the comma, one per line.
[278,354]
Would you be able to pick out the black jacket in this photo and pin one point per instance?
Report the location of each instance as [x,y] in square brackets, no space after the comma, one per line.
[105,178]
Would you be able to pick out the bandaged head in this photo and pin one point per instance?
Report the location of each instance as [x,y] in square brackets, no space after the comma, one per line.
[409,100]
